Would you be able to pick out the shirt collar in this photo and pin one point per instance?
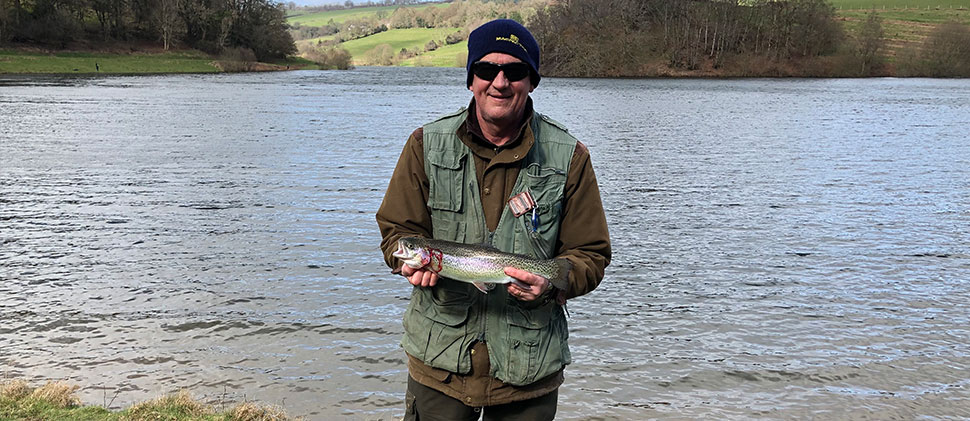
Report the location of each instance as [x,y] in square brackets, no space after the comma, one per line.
[471,134]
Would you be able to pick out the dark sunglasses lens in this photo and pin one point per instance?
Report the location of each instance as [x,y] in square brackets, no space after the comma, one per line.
[486,71]
[516,71]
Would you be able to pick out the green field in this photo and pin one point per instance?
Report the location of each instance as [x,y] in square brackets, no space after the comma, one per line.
[900,4]
[71,62]
[904,29]
[446,56]
[338,16]
[411,38]
[930,17]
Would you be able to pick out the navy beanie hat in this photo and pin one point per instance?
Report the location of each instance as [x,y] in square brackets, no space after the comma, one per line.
[503,36]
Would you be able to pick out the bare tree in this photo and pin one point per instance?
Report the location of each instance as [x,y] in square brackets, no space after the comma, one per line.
[871,40]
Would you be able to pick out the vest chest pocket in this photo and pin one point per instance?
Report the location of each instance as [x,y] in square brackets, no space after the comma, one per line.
[447,179]
[545,183]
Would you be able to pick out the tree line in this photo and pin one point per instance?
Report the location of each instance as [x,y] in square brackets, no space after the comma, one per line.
[616,37]
[736,38]
[256,26]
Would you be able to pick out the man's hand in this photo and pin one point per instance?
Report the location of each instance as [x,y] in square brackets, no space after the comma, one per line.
[419,277]
[533,286]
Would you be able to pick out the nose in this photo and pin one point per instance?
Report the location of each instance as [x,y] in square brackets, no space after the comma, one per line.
[500,80]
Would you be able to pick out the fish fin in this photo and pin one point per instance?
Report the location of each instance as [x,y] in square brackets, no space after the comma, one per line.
[519,283]
[483,287]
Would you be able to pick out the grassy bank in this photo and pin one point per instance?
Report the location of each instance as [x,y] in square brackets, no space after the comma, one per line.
[56,401]
[185,61]
[15,61]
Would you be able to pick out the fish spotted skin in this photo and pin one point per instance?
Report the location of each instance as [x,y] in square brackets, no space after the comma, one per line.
[477,264]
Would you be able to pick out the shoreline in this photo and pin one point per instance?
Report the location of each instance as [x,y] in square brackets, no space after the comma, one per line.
[32,60]
[131,60]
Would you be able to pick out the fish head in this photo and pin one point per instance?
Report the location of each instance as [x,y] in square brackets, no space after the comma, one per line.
[411,253]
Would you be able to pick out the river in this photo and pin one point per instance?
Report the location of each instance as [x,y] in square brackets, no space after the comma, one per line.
[783,249]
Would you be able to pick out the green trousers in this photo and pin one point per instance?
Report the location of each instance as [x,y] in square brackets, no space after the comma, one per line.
[426,404]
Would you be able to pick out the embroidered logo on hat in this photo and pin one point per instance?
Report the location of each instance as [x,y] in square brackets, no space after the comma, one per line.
[513,39]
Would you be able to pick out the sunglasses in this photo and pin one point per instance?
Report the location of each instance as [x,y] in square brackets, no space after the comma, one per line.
[487,70]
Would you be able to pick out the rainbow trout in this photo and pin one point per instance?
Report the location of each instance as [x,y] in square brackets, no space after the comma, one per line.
[480,265]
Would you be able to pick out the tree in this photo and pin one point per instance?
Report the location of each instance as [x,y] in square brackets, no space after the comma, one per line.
[261,26]
[381,55]
[170,25]
[946,51]
[870,41]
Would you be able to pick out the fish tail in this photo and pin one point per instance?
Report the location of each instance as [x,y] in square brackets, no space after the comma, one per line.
[561,280]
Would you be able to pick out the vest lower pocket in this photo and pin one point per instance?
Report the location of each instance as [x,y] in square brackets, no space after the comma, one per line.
[536,344]
[435,325]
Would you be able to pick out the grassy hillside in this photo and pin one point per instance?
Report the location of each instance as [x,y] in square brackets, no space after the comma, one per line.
[411,38]
[900,4]
[448,56]
[904,28]
[339,16]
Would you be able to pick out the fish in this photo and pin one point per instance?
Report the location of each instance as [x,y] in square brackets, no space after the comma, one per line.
[480,265]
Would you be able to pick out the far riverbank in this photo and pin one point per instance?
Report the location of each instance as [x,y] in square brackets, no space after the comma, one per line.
[132,61]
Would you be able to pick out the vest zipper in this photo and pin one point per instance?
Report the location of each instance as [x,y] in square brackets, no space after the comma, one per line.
[484,317]
[484,313]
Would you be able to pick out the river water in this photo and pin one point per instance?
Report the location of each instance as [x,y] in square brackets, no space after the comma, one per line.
[782,248]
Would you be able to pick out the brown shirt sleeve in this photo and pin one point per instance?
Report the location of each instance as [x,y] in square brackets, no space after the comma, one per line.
[584,238]
[404,211]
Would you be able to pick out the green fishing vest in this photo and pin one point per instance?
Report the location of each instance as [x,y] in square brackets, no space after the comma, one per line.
[526,341]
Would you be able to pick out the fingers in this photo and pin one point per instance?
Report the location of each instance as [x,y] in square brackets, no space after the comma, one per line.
[529,287]
[419,277]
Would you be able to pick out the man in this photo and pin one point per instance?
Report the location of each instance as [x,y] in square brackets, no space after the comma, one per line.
[500,174]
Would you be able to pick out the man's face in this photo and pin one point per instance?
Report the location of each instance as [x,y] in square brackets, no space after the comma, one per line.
[500,102]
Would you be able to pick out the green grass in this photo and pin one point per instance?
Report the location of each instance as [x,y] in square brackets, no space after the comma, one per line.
[297,62]
[904,29]
[75,62]
[900,4]
[916,16]
[323,38]
[409,38]
[339,16]
[56,401]
[312,42]
[446,56]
